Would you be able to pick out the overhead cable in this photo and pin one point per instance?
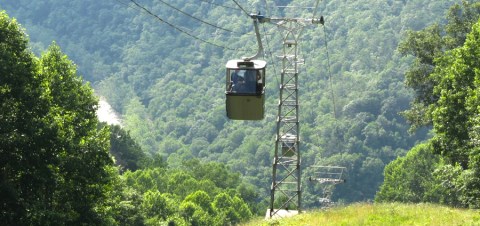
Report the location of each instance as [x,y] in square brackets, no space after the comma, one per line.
[266,7]
[330,75]
[315,10]
[129,6]
[239,6]
[195,18]
[270,54]
[177,28]
[224,6]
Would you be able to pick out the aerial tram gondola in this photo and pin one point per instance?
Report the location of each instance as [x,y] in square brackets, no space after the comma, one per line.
[245,89]
[245,84]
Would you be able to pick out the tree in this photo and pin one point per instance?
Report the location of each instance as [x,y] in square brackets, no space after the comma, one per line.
[55,163]
[409,178]
[455,116]
[231,210]
[457,108]
[126,205]
[213,171]
[83,161]
[461,19]
[127,153]
[21,112]
[425,46]
[450,177]
[157,206]
[202,199]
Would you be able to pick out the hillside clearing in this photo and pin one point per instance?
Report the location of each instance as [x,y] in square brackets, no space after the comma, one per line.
[381,214]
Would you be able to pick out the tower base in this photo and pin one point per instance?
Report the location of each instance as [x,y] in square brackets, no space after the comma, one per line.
[282,213]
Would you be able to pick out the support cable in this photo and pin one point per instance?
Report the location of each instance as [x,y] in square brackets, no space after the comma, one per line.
[129,6]
[271,55]
[224,6]
[330,76]
[315,10]
[239,6]
[177,28]
[266,8]
[197,19]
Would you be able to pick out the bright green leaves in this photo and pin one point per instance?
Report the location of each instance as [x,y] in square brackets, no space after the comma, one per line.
[202,199]
[407,178]
[195,194]
[452,176]
[457,105]
[199,209]
[20,113]
[12,39]
[451,103]
[156,204]
[61,79]
[54,162]
[427,46]
[232,209]
[424,45]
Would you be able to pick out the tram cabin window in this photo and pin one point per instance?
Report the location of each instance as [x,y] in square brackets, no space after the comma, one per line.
[245,81]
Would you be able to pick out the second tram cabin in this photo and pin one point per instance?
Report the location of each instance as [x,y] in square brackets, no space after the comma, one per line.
[245,89]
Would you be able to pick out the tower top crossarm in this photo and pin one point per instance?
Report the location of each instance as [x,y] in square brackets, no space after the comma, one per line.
[309,19]
[277,20]
[258,18]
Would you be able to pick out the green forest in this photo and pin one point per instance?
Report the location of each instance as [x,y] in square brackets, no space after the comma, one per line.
[389,90]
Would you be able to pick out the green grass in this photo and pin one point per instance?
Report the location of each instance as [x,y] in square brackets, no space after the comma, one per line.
[379,214]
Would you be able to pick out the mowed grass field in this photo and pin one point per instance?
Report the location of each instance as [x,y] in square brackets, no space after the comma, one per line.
[379,214]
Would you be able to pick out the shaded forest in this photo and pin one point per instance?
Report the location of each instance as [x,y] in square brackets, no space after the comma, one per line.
[359,98]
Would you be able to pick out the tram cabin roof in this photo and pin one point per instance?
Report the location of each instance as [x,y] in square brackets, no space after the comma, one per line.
[244,64]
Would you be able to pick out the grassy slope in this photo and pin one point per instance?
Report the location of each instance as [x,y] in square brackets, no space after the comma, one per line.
[381,214]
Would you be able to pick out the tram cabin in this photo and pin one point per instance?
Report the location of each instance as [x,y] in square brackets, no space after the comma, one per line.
[245,89]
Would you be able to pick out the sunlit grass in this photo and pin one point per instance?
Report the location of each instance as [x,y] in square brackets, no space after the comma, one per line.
[380,214]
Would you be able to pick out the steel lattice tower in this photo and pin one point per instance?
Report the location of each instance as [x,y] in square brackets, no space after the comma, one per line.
[286,189]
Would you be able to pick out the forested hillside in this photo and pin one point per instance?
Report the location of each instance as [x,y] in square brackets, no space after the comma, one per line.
[169,86]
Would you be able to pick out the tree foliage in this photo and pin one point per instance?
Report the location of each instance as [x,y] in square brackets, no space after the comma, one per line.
[426,45]
[410,178]
[454,117]
[187,195]
[55,162]
[126,151]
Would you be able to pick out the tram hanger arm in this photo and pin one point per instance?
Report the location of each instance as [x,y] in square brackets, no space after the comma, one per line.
[256,18]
